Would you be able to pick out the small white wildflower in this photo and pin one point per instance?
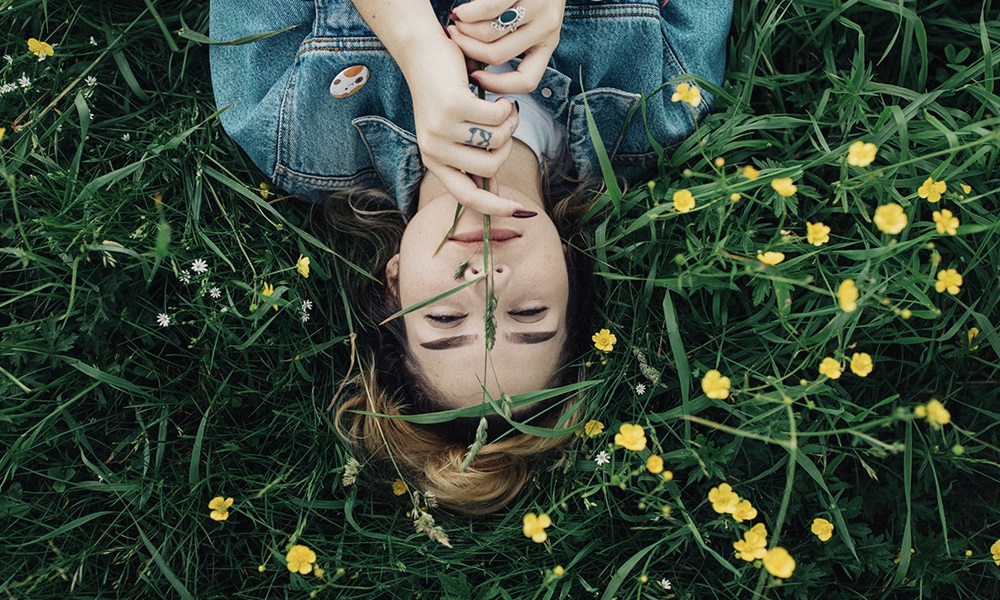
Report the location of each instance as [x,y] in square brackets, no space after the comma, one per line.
[215,293]
[91,81]
[163,319]
[24,81]
[199,266]
[42,57]
[59,128]
[602,458]
[665,584]
[306,305]
[92,41]
[9,59]
[7,87]
[126,136]
[640,388]
[304,317]
[185,276]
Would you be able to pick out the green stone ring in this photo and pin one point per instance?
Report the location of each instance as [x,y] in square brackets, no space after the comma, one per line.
[510,19]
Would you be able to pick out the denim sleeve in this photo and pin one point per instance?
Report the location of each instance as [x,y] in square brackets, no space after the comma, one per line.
[250,78]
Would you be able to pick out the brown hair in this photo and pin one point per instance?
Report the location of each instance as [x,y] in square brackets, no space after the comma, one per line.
[430,456]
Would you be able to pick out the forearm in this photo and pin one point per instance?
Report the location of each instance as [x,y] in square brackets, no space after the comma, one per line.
[404,26]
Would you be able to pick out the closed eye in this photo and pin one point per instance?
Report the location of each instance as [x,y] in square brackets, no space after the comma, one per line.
[529,314]
[444,319]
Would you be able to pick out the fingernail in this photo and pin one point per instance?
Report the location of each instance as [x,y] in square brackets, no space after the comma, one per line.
[523,214]
[447,33]
[454,17]
[474,80]
[517,107]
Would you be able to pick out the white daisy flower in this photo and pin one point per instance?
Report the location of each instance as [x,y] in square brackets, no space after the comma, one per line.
[24,81]
[92,41]
[9,59]
[215,293]
[199,266]
[7,87]
[602,458]
[640,388]
[185,276]
[304,317]
[665,584]
[126,136]
[306,305]
[163,320]
[91,81]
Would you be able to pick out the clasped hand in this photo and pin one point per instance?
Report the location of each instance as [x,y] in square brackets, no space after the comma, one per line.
[461,136]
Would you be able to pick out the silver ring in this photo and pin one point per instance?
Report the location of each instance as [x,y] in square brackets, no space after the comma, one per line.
[510,19]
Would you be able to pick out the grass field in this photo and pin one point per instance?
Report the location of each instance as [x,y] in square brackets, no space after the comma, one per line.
[143,373]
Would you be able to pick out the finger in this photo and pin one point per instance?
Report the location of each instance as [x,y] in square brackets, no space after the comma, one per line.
[488,138]
[491,53]
[483,31]
[466,191]
[481,10]
[477,161]
[483,113]
[522,81]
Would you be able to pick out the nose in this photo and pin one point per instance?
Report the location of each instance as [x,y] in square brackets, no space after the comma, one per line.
[500,272]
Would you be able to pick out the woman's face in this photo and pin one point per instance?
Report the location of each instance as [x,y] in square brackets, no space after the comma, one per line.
[447,338]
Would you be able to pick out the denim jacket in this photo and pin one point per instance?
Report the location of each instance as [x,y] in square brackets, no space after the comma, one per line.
[309,142]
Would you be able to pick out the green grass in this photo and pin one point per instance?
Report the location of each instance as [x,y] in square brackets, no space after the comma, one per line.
[117,432]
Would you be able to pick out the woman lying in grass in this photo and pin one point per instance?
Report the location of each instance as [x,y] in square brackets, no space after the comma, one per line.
[322,107]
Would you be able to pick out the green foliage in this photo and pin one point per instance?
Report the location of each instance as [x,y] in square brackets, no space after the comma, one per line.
[117,432]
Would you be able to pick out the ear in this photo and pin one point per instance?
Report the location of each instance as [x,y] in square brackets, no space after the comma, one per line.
[392,276]
[565,250]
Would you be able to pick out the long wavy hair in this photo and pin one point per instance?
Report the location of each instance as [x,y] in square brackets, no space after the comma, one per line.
[368,228]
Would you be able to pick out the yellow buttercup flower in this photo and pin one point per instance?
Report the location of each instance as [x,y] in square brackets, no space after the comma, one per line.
[861,154]
[303,266]
[937,414]
[946,222]
[715,385]
[932,190]
[995,550]
[750,172]
[770,258]
[724,500]
[817,234]
[300,559]
[861,364]
[973,332]
[779,562]
[268,290]
[890,218]
[847,295]
[592,428]
[318,572]
[830,367]
[534,527]
[950,280]
[604,340]
[753,546]
[744,511]
[220,508]
[966,188]
[558,571]
[784,186]
[39,48]
[3,130]
[685,92]
[654,464]
[823,529]
[683,201]
[399,487]
[631,437]
[265,190]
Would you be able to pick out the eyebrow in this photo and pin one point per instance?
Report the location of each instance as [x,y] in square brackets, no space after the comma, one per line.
[533,337]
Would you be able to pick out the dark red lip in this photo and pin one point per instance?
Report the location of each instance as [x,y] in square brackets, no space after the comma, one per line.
[496,236]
